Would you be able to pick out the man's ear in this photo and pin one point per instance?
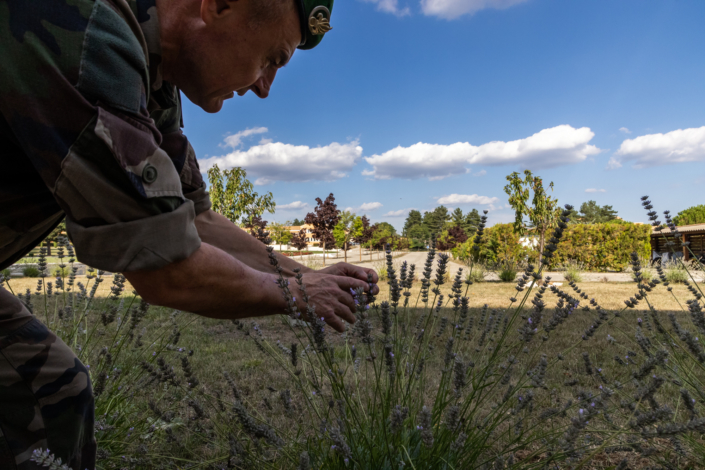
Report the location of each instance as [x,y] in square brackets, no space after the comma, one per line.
[212,10]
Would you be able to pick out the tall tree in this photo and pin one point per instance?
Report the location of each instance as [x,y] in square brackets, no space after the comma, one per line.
[457,218]
[233,195]
[436,219]
[298,241]
[365,234]
[297,223]
[414,218]
[349,226]
[692,215]
[472,221]
[592,213]
[323,219]
[543,210]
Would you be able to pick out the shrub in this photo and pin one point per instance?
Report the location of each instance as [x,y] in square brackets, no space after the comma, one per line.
[61,272]
[6,273]
[30,271]
[675,272]
[602,247]
[573,271]
[508,272]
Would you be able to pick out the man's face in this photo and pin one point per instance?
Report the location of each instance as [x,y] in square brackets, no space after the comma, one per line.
[228,55]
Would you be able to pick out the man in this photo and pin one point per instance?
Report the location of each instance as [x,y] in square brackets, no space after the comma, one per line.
[90,120]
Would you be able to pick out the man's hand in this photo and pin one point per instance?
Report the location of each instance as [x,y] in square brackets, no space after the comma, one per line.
[355,272]
[330,294]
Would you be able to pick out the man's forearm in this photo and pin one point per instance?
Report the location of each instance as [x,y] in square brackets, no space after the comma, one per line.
[218,231]
[213,284]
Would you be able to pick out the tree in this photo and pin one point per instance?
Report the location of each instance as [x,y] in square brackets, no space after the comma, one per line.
[280,234]
[543,212]
[257,226]
[365,234]
[297,223]
[418,234]
[692,215]
[383,234]
[592,213]
[233,196]
[436,219]
[457,218]
[298,240]
[348,228]
[451,238]
[472,221]
[323,219]
[414,218]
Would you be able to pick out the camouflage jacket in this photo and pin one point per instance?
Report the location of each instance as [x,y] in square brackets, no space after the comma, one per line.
[89,130]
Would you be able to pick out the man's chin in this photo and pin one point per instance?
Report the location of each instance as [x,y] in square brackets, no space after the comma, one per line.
[213,105]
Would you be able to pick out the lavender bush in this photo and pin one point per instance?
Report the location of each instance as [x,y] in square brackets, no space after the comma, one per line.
[421,380]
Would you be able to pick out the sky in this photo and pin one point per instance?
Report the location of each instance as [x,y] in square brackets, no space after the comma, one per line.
[408,104]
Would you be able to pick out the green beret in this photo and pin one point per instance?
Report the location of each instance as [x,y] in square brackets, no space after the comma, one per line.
[315,21]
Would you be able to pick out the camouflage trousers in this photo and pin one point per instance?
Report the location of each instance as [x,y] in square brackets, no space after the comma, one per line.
[46,400]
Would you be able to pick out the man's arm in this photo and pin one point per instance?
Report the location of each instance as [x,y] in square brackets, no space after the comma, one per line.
[218,231]
[214,284]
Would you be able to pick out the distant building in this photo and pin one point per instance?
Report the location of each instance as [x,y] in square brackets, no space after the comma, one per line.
[690,242]
[310,240]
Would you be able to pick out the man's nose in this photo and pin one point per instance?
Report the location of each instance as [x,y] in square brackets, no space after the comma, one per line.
[264,83]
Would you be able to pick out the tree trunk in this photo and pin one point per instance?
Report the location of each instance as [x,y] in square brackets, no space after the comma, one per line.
[360,251]
[324,252]
[345,247]
[542,236]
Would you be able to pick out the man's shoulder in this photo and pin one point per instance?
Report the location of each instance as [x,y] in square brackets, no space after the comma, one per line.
[96,45]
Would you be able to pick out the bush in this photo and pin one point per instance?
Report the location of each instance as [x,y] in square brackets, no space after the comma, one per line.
[61,272]
[602,247]
[6,273]
[30,271]
[573,271]
[508,272]
[675,272]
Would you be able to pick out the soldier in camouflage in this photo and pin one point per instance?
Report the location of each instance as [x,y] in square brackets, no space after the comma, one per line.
[90,131]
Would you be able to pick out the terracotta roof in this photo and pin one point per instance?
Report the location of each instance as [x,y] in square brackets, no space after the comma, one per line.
[681,229]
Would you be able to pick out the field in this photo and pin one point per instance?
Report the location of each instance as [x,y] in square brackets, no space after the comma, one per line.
[160,419]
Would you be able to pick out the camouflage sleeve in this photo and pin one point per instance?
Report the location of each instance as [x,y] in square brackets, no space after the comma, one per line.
[72,89]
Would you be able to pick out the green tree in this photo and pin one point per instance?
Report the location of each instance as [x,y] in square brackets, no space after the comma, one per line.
[543,212]
[280,233]
[414,218]
[53,238]
[297,223]
[472,221]
[457,218]
[419,234]
[692,215]
[592,213]
[383,234]
[348,228]
[436,219]
[233,196]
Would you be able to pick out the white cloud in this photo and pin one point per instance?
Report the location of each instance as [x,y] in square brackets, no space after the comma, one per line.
[365,207]
[467,199]
[234,141]
[480,173]
[390,6]
[560,145]
[399,213]
[277,161]
[679,146]
[451,9]
[296,205]
[625,130]
[613,164]
[593,190]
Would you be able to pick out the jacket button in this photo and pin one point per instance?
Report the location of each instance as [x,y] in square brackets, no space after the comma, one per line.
[149,174]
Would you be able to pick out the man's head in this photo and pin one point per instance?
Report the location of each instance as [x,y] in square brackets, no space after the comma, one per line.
[214,49]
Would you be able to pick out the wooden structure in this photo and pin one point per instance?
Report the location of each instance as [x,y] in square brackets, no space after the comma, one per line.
[691,242]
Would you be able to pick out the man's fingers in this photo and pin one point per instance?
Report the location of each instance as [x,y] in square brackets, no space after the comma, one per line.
[347,283]
[375,277]
[347,299]
[334,322]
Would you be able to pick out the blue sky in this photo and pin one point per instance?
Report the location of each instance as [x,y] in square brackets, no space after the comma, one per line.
[411,103]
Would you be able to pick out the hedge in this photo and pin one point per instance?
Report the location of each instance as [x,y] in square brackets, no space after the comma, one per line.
[598,247]
[602,247]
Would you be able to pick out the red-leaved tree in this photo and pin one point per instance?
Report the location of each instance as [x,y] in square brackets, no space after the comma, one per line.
[323,219]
